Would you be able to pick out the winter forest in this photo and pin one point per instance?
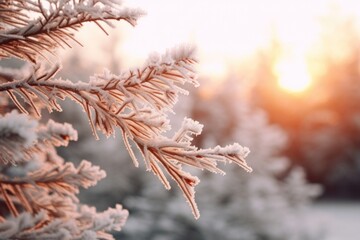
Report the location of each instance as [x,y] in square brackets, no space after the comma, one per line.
[172,120]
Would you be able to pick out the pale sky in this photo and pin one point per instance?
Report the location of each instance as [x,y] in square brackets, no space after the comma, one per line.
[223,31]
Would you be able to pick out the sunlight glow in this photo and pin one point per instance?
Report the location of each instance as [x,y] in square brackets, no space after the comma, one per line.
[215,70]
[225,31]
[293,74]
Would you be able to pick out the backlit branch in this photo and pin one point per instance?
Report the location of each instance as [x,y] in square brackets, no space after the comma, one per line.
[53,23]
[136,101]
[85,224]
[137,96]
[21,138]
[174,153]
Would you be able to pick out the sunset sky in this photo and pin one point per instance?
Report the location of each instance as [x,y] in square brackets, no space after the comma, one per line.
[224,32]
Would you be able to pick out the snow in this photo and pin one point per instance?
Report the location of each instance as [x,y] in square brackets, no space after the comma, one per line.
[340,220]
[65,129]
[14,123]
[234,149]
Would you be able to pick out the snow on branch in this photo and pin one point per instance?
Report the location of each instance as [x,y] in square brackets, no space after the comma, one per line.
[57,134]
[85,224]
[53,23]
[172,154]
[42,203]
[21,137]
[137,102]
[112,100]
[37,187]
[17,133]
[63,179]
[11,15]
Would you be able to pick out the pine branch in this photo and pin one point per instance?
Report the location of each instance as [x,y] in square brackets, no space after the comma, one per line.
[51,187]
[17,133]
[56,134]
[136,102]
[63,179]
[115,100]
[11,14]
[85,224]
[55,23]
[38,188]
[21,138]
[174,153]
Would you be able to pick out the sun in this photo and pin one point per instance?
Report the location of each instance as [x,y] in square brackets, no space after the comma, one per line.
[293,75]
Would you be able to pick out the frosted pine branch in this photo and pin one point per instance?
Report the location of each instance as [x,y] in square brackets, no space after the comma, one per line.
[53,25]
[174,153]
[40,195]
[111,100]
[11,15]
[21,138]
[56,134]
[17,133]
[51,208]
[23,143]
[136,102]
[85,224]
[64,180]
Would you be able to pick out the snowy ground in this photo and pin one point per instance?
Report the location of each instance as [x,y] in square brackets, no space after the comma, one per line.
[341,220]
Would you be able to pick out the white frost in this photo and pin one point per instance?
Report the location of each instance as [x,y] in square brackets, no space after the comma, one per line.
[14,123]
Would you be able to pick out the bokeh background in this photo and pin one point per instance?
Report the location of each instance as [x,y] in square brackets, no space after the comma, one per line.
[281,77]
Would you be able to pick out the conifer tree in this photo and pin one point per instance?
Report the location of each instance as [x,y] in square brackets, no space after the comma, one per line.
[38,187]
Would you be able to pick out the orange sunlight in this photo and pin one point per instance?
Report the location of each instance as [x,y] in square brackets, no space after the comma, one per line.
[293,75]
[227,33]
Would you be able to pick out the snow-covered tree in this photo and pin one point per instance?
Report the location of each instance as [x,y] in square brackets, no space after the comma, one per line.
[271,203]
[37,187]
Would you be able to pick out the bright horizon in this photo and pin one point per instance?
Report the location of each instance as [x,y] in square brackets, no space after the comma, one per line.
[227,32]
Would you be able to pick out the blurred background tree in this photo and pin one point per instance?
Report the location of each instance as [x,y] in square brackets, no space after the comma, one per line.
[323,122]
[243,206]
